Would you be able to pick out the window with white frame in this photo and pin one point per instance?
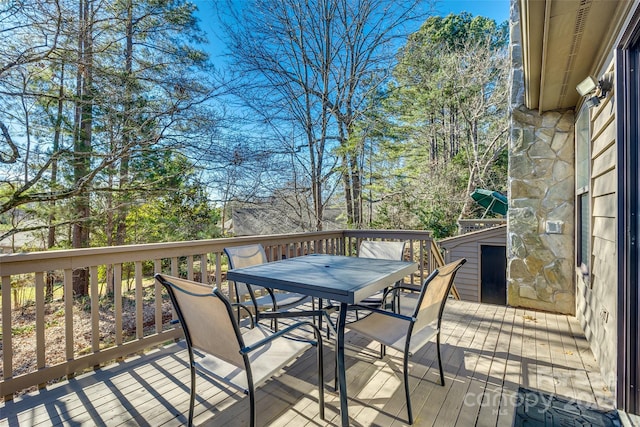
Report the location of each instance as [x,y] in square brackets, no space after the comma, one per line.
[583,201]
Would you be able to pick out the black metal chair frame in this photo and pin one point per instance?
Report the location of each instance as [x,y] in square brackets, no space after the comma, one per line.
[450,269]
[243,349]
[275,312]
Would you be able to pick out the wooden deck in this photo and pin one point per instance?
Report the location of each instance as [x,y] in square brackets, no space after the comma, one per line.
[488,352]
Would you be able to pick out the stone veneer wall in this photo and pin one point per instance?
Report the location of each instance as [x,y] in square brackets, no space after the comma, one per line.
[540,273]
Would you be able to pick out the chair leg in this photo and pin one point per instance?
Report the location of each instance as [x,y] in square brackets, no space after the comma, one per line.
[192,395]
[440,360]
[406,388]
[252,410]
[320,375]
[335,367]
[383,350]
[319,315]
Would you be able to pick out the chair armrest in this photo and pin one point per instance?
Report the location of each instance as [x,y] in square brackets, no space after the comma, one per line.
[273,297]
[412,288]
[264,341]
[383,312]
[252,293]
[289,314]
[241,305]
[393,289]
[303,313]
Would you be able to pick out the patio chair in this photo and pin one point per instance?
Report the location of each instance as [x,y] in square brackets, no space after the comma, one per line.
[381,250]
[224,354]
[408,334]
[245,256]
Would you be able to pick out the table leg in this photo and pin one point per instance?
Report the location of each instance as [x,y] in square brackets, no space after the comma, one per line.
[342,375]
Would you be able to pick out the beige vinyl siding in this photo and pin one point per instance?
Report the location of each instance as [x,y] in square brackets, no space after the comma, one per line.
[467,279]
[468,246]
[597,297]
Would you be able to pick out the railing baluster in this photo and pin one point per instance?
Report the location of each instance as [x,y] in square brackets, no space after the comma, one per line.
[117,301]
[68,313]
[157,268]
[218,256]
[190,267]
[174,267]
[7,345]
[40,324]
[139,301]
[204,273]
[422,263]
[95,308]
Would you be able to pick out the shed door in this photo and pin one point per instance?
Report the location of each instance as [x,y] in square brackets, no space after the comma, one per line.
[493,274]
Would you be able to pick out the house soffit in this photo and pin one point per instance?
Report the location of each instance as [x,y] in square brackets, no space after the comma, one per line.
[563,42]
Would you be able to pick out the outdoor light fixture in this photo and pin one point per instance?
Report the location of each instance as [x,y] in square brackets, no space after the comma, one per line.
[587,86]
[594,90]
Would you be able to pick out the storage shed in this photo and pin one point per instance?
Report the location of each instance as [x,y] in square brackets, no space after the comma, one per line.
[484,277]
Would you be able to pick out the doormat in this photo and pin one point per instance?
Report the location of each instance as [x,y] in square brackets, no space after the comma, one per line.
[536,409]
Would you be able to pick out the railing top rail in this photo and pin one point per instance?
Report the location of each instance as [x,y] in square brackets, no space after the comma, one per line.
[497,220]
[22,263]
[389,234]
[180,244]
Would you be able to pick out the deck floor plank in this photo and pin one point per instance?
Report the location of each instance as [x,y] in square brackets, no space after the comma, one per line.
[462,364]
[490,407]
[488,353]
[513,370]
[483,371]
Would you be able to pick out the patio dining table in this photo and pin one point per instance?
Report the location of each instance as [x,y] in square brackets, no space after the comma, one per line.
[342,279]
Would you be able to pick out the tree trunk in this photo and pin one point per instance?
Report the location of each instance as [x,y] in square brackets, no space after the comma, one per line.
[51,235]
[356,191]
[82,143]
[348,196]
[51,238]
[123,206]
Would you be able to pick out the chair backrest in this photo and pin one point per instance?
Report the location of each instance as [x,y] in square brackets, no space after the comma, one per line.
[382,250]
[206,318]
[245,256]
[433,295]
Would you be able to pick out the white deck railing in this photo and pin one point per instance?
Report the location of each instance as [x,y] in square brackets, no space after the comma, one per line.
[201,260]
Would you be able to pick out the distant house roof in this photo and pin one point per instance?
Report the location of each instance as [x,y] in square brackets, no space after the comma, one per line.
[22,240]
[18,242]
[264,220]
[487,233]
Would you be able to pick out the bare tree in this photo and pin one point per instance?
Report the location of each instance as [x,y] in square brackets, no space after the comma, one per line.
[309,67]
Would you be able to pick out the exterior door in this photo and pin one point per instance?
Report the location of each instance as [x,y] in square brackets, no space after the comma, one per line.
[628,118]
[493,274]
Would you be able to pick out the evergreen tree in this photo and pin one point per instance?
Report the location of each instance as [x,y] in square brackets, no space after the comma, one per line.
[445,122]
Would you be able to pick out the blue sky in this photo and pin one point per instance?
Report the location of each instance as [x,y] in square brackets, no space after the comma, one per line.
[497,10]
